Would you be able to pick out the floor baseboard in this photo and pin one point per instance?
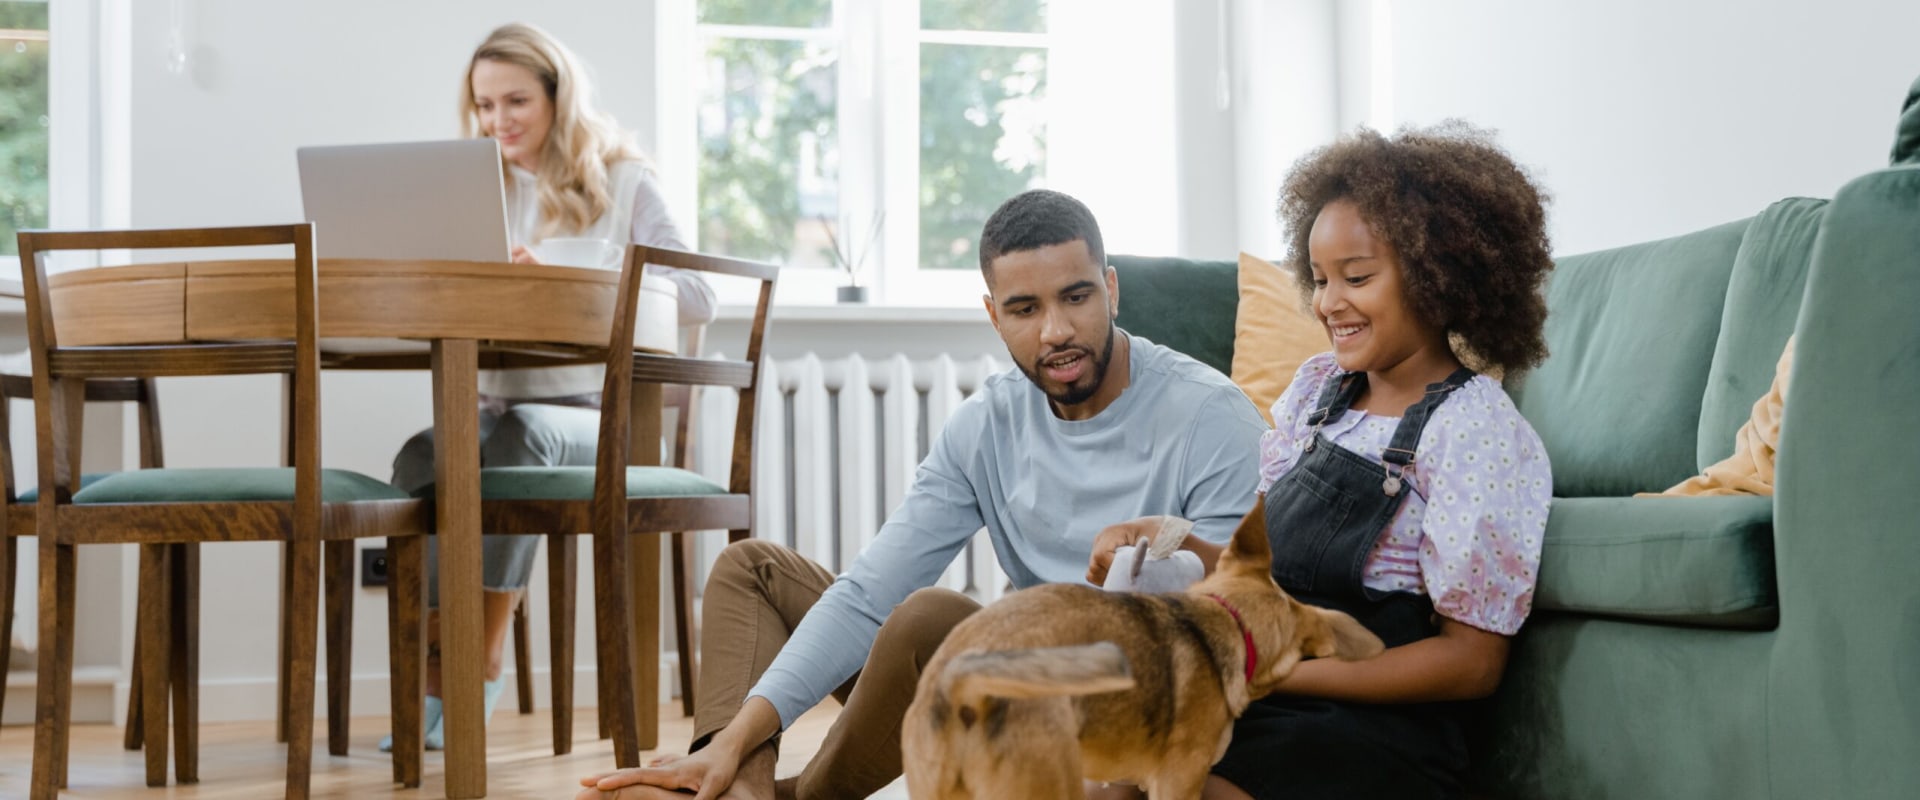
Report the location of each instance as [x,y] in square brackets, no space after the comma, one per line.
[100,694]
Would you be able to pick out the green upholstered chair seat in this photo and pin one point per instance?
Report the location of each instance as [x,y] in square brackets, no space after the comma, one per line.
[230,485]
[576,483]
[1690,560]
[32,493]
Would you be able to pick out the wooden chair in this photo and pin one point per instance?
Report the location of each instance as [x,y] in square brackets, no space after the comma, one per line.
[614,500]
[563,586]
[154,508]
[18,520]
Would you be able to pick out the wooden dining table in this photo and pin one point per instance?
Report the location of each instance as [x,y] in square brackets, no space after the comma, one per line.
[454,318]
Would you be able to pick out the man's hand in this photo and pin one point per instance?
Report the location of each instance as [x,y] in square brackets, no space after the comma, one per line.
[1113,538]
[707,773]
[712,769]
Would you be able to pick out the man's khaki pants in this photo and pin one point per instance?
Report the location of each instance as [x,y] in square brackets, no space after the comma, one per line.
[755,597]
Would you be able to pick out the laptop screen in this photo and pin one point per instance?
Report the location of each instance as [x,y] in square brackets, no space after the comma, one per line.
[411,200]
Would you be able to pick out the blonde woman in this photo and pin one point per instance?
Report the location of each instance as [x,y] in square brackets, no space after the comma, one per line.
[570,172]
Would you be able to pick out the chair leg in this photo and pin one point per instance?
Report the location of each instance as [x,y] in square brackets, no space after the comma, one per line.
[522,656]
[644,618]
[600,674]
[615,643]
[281,697]
[683,618]
[303,601]
[339,581]
[562,577]
[132,739]
[9,554]
[184,622]
[396,655]
[154,658]
[407,652]
[55,670]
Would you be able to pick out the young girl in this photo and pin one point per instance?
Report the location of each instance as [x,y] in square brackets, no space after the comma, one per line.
[1398,485]
[570,172]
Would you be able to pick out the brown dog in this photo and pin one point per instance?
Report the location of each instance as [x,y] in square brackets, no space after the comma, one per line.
[1061,683]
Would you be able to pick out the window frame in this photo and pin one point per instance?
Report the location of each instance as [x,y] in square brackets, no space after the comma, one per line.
[878,112]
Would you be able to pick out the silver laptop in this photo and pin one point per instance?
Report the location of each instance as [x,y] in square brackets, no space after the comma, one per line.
[425,200]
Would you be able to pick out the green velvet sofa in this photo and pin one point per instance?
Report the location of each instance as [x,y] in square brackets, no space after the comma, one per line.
[1735,647]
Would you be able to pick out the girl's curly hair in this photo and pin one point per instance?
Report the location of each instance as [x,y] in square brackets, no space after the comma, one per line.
[1469,225]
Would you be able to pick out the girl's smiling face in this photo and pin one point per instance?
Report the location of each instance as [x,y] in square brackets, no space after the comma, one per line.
[1360,298]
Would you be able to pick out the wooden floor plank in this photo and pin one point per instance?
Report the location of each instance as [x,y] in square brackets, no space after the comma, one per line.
[240,760]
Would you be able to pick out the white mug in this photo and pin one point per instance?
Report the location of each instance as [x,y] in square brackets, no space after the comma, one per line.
[594,253]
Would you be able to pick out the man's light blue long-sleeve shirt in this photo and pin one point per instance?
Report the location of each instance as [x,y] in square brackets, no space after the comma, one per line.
[1181,439]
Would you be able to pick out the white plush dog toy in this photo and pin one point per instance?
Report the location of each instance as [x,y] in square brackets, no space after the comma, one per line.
[1156,564]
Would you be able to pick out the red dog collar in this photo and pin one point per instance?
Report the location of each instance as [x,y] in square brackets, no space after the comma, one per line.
[1245,635]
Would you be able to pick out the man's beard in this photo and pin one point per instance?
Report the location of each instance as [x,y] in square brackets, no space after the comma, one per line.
[1075,394]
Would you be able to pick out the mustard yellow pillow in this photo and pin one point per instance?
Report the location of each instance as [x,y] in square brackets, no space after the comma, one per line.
[1750,469]
[1272,334]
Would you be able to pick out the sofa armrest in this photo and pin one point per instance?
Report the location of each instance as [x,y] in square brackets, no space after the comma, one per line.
[1847,506]
[1704,561]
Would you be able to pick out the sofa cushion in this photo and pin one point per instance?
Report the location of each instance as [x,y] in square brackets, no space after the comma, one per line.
[1906,137]
[1183,304]
[1272,334]
[1763,301]
[1630,335]
[1691,560]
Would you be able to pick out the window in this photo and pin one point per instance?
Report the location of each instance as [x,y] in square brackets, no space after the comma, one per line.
[865,140]
[24,120]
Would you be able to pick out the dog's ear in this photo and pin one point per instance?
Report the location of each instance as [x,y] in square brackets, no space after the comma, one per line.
[1249,553]
[1327,633]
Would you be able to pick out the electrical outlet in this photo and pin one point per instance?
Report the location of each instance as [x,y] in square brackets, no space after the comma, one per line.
[373,567]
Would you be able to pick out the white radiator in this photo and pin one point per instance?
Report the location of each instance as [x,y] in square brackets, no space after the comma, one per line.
[837,444]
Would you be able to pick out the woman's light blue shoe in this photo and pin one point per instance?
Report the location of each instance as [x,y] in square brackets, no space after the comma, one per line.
[435,721]
[494,688]
[436,735]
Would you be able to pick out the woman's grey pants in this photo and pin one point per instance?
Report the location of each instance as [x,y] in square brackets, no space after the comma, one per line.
[523,435]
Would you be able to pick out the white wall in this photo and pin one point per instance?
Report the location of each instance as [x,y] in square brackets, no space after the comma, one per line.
[1650,118]
[1285,98]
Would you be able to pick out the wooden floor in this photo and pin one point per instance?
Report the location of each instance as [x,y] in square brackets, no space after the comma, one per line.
[240,760]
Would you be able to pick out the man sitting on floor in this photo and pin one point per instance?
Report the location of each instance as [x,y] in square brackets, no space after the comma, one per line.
[1095,426]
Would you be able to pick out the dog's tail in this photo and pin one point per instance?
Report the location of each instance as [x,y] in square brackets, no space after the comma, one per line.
[1039,672]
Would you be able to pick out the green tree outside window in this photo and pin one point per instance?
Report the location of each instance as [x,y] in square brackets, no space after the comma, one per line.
[768,128]
[23,120]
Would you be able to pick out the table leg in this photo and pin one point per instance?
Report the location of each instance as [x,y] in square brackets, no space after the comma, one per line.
[456,445]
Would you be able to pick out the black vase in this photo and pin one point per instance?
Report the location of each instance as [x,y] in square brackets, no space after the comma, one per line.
[853,294]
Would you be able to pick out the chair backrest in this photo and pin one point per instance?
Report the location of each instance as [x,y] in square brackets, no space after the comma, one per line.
[127,390]
[152,341]
[684,403]
[625,365]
